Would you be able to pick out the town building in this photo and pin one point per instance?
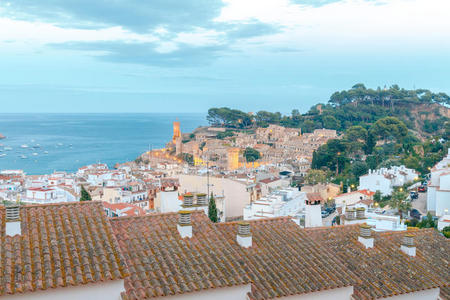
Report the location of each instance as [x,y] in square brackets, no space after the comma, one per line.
[385,179]
[438,196]
[352,198]
[279,203]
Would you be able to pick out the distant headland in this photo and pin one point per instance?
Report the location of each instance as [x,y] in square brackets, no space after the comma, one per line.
[2,136]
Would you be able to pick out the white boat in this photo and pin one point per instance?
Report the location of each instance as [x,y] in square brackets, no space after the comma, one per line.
[3,154]
[24,146]
[45,152]
[35,154]
[8,148]
[23,157]
[60,144]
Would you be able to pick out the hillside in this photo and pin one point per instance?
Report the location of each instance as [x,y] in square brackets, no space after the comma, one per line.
[424,113]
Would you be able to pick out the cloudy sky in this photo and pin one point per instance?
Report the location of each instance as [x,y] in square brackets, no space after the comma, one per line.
[189,55]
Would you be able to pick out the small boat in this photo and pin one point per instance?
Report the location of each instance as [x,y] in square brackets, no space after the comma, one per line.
[35,154]
[23,157]
[2,155]
[36,146]
[8,148]
[24,146]
[60,144]
[45,152]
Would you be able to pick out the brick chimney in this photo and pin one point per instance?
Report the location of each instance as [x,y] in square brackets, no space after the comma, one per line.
[13,220]
[408,245]
[184,225]
[244,236]
[365,236]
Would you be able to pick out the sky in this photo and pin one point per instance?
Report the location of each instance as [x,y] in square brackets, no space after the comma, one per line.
[119,56]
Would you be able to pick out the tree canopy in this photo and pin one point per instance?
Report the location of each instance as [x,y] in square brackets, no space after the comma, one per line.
[251,154]
[85,196]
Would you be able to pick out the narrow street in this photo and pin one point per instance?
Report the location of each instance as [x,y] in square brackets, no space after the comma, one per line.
[421,203]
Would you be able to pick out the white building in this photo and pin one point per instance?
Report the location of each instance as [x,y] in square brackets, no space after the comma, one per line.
[283,202]
[45,194]
[360,213]
[384,179]
[443,222]
[354,197]
[438,196]
[168,201]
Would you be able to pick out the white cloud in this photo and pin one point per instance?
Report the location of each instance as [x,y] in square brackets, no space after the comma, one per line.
[200,37]
[349,24]
[37,34]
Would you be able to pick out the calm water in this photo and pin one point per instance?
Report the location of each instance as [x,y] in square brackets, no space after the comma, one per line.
[65,142]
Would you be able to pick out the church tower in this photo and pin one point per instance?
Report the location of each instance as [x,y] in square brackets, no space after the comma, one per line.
[176,132]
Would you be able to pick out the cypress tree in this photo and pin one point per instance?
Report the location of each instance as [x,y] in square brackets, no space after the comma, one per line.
[212,209]
[85,195]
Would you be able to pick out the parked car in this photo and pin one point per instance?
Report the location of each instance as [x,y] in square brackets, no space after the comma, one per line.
[422,189]
[330,210]
[414,195]
[415,214]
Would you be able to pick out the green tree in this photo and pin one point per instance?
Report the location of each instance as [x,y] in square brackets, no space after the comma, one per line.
[315,176]
[85,196]
[446,231]
[377,196]
[427,222]
[389,127]
[398,201]
[359,168]
[251,154]
[212,209]
[356,134]
[331,122]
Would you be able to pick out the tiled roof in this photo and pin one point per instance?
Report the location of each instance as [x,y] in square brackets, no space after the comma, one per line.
[432,251]
[161,263]
[385,270]
[284,260]
[314,197]
[60,245]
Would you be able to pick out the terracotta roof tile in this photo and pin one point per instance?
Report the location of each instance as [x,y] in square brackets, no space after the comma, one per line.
[284,260]
[161,263]
[385,270]
[60,245]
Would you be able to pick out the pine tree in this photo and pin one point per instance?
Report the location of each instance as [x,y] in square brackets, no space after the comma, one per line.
[85,195]
[212,210]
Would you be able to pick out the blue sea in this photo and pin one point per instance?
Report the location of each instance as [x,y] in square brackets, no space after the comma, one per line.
[43,143]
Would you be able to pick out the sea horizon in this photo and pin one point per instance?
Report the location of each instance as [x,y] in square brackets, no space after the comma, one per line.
[41,143]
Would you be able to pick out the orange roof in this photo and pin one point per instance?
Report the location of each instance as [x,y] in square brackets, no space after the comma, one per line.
[385,270]
[285,261]
[161,263]
[61,245]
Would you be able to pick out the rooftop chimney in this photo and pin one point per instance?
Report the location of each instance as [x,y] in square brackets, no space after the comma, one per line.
[408,246]
[184,225]
[13,220]
[188,200]
[350,214]
[244,236]
[365,236]
[360,213]
[202,200]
